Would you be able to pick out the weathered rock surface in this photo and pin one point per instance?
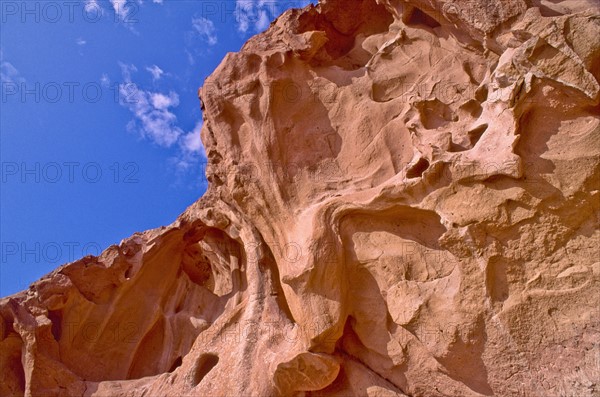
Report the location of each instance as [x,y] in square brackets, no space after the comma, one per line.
[404,200]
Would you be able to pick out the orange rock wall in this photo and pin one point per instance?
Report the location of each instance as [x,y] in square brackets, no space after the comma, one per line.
[403,201]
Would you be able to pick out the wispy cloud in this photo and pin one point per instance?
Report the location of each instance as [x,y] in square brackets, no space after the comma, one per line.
[154,119]
[263,21]
[190,57]
[8,73]
[161,101]
[105,80]
[120,8]
[155,71]
[243,12]
[92,6]
[156,124]
[256,14]
[191,149]
[191,142]
[81,41]
[206,29]
[125,11]
[126,71]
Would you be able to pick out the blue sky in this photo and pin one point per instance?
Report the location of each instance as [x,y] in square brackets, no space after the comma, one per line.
[99,119]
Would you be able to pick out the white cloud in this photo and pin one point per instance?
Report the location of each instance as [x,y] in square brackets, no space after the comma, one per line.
[157,124]
[153,118]
[243,12]
[162,101]
[155,71]
[126,71]
[255,13]
[191,150]
[191,142]
[263,21]
[126,11]
[92,6]
[190,57]
[120,7]
[105,80]
[81,41]
[206,29]
[8,73]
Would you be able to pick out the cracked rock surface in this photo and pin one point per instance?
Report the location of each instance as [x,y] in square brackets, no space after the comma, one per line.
[404,201]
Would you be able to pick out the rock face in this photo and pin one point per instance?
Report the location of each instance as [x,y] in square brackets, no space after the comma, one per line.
[404,201]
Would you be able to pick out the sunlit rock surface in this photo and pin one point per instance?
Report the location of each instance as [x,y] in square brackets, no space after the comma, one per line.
[404,201]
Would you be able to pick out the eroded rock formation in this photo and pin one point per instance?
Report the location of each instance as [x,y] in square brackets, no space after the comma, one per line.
[403,200]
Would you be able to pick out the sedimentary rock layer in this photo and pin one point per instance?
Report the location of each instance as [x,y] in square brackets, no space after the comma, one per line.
[404,200]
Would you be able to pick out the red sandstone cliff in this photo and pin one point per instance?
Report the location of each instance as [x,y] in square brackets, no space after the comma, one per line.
[403,201]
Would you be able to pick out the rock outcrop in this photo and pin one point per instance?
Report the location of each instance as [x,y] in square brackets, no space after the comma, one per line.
[404,201]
